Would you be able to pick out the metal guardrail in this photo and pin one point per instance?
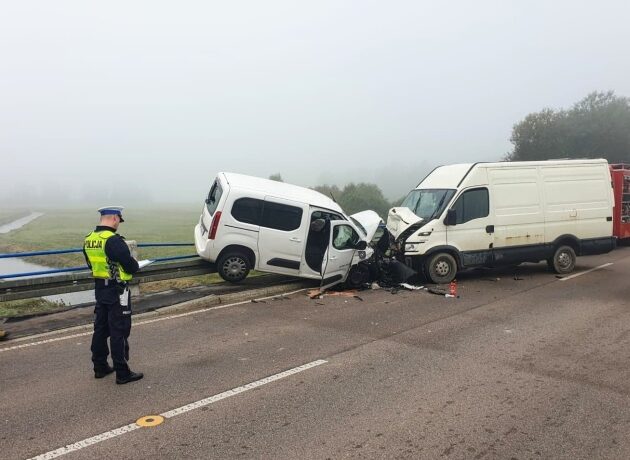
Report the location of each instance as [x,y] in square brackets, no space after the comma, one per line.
[78,250]
[83,281]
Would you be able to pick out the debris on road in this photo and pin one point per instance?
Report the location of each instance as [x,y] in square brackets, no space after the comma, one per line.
[317,294]
[436,291]
[411,287]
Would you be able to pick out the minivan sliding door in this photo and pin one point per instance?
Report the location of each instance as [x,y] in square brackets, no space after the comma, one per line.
[282,235]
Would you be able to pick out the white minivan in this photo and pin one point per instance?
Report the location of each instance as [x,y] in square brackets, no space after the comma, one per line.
[253,223]
[491,214]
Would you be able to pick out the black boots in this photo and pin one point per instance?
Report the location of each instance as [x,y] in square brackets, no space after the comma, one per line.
[130,377]
[101,372]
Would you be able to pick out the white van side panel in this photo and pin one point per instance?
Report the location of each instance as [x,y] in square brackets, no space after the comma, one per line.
[577,200]
[516,200]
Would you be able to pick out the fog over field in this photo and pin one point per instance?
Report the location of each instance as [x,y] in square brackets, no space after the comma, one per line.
[142,103]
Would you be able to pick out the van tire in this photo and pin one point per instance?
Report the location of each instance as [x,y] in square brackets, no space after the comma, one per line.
[233,266]
[563,260]
[358,276]
[441,268]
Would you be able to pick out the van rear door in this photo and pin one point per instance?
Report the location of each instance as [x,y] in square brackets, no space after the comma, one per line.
[282,235]
[210,206]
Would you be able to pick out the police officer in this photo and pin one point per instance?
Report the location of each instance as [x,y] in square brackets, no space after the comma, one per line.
[112,266]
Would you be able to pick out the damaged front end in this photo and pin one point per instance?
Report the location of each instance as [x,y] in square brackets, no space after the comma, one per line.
[382,265]
[402,223]
[364,264]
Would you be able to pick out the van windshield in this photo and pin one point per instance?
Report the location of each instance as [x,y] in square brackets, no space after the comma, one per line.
[428,203]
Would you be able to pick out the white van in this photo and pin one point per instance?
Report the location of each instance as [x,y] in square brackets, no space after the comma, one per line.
[253,223]
[491,214]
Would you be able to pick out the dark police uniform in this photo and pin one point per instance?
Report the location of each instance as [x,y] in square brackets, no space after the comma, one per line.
[112,319]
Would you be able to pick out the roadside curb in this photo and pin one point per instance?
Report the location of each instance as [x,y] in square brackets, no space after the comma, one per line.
[213,300]
[201,303]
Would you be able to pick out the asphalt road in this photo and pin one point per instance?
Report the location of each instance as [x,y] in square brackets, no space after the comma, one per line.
[522,365]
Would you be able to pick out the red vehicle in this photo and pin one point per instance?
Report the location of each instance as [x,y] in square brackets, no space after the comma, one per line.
[621,188]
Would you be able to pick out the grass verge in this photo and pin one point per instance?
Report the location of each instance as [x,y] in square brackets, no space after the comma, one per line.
[28,307]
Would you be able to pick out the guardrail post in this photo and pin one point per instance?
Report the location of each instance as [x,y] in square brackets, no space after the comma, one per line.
[134,287]
[133,248]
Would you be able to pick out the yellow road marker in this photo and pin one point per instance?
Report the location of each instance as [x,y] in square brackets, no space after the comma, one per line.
[150,420]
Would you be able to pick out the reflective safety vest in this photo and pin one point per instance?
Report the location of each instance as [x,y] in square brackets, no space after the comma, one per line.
[102,267]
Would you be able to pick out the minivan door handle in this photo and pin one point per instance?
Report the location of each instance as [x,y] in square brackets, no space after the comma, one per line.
[295,239]
[489,228]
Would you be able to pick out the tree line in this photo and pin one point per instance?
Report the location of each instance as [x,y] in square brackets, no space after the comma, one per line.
[597,126]
[355,197]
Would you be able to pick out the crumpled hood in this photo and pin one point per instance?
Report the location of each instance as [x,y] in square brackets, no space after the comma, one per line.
[370,221]
[400,219]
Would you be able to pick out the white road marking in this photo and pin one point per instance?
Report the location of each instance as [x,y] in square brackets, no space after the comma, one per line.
[148,321]
[175,412]
[585,272]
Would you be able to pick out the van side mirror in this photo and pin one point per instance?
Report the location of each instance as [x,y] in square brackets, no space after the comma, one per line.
[451,217]
[361,245]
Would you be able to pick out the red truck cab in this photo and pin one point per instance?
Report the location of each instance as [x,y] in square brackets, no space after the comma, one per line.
[621,188]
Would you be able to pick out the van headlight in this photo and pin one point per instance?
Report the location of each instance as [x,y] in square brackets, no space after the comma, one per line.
[411,247]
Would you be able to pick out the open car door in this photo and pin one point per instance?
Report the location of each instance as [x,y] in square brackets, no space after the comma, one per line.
[344,241]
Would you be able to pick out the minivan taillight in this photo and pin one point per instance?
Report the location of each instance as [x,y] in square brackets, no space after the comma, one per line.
[214,225]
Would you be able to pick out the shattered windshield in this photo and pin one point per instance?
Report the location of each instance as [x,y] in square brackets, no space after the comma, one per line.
[428,203]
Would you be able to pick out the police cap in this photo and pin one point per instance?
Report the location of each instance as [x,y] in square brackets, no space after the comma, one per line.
[109,210]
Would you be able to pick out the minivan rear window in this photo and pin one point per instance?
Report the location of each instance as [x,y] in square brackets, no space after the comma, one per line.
[247,210]
[214,195]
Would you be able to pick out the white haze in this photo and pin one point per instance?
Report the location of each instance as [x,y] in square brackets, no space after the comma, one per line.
[143,102]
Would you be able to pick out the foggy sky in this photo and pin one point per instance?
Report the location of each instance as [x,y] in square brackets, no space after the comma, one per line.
[145,101]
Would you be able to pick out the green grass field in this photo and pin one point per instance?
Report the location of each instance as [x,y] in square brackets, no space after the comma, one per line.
[62,229]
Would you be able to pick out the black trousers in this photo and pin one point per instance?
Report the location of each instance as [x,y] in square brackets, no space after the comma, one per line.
[113,321]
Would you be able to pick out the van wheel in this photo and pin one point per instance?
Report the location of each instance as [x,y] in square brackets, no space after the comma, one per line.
[233,266]
[441,268]
[563,260]
[358,276]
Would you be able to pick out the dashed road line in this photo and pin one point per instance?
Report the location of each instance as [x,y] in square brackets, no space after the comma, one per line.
[585,272]
[143,322]
[175,412]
